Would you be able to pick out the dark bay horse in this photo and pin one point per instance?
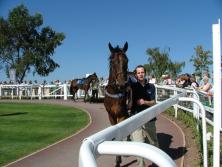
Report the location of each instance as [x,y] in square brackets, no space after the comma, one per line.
[83,84]
[115,100]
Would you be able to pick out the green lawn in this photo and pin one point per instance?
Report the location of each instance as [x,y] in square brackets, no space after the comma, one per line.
[25,128]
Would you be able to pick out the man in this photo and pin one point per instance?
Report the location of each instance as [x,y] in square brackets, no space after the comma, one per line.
[95,91]
[143,98]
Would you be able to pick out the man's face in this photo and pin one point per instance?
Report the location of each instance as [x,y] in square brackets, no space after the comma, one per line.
[140,74]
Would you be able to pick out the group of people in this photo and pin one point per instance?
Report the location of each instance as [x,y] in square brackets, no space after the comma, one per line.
[204,85]
[190,81]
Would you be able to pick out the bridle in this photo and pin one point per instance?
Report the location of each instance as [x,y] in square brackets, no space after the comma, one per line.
[115,96]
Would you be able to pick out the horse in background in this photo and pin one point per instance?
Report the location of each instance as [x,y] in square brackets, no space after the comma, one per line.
[116,97]
[83,84]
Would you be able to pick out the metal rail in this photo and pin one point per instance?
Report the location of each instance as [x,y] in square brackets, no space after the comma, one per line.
[93,146]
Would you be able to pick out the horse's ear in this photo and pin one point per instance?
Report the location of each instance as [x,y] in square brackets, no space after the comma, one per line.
[125,47]
[110,47]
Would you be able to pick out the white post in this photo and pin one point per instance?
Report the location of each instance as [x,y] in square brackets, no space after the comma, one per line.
[65,91]
[20,92]
[217,93]
[196,108]
[17,92]
[40,92]
[175,106]
[0,91]
[31,91]
[204,127]
[12,93]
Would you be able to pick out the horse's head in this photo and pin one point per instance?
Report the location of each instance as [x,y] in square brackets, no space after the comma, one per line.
[118,66]
[93,77]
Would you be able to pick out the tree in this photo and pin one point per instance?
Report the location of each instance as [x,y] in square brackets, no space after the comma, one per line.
[25,46]
[160,63]
[175,68]
[201,60]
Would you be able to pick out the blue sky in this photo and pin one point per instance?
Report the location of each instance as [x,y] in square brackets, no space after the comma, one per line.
[89,25]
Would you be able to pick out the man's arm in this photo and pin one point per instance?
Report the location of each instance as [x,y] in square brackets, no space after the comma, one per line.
[146,102]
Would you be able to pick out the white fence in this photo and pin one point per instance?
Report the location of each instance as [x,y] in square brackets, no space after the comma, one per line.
[62,91]
[30,91]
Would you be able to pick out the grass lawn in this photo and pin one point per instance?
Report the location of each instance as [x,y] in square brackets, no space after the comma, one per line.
[25,128]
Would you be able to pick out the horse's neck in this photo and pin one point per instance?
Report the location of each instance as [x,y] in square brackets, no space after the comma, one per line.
[88,80]
[113,88]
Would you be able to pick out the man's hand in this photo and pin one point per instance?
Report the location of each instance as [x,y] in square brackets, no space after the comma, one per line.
[144,102]
[140,102]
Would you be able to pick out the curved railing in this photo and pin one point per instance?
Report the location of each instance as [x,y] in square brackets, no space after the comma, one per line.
[102,142]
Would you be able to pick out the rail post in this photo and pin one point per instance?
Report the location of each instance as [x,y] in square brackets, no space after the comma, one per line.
[65,91]
[204,131]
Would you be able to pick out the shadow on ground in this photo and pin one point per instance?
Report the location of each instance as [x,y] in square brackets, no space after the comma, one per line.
[165,141]
[12,114]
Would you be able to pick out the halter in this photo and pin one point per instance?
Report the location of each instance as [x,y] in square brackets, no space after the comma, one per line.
[115,96]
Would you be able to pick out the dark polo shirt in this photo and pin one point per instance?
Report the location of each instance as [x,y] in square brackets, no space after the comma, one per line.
[146,92]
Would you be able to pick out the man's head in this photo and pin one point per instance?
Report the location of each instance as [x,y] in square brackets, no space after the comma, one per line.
[140,73]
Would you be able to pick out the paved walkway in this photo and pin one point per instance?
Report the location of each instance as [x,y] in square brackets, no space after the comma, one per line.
[65,153]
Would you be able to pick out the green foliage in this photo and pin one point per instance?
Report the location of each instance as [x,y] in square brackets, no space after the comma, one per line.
[175,68]
[160,63]
[201,60]
[25,128]
[24,45]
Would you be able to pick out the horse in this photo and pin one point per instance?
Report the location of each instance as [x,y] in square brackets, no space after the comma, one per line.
[115,100]
[83,84]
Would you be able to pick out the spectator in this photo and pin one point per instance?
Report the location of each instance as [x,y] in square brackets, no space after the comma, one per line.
[167,80]
[95,91]
[152,79]
[206,85]
[205,74]
[194,83]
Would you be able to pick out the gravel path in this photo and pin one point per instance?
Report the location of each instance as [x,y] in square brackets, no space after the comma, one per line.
[65,153]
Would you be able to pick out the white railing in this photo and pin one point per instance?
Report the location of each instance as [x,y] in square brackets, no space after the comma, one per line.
[93,146]
[36,91]
[40,91]
[62,91]
[206,100]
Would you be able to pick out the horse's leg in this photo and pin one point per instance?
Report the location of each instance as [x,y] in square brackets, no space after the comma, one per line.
[118,158]
[85,97]
[112,120]
[118,161]
[73,96]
